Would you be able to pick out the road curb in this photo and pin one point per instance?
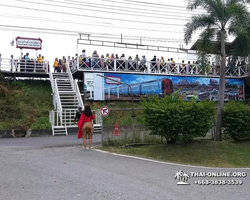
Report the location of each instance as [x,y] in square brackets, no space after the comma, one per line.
[162,162]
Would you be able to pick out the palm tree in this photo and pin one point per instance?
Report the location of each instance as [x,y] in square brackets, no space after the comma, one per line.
[185,177]
[179,175]
[222,17]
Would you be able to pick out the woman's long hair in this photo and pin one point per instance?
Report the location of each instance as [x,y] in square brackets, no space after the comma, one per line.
[87,111]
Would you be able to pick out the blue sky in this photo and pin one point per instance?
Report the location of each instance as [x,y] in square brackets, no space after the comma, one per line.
[132,79]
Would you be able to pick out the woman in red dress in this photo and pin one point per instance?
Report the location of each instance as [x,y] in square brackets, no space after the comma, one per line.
[86,127]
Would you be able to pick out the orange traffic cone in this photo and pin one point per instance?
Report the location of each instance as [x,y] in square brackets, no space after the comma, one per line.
[116,132]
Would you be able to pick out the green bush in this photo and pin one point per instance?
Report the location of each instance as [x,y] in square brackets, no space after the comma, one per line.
[176,120]
[236,117]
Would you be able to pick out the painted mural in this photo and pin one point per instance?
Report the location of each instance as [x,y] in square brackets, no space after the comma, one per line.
[187,87]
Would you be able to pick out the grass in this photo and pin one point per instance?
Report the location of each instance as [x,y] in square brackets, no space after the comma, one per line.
[226,154]
[25,105]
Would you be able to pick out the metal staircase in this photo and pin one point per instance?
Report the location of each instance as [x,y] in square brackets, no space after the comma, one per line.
[66,99]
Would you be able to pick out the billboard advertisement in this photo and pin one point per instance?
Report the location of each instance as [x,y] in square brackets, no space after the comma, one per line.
[200,88]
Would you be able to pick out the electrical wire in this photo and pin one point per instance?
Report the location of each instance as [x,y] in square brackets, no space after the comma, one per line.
[74,33]
[128,9]
[104,11]
[156,5]
[34,31]
[80,15]
[86,23]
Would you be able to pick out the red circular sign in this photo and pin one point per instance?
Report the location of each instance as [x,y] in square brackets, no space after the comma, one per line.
[104,111]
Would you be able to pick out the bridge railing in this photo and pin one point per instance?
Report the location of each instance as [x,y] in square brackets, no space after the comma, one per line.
[23,65]
[157,67]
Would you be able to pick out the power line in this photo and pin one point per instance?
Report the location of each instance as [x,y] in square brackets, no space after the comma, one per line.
[74,33]
[64,13]
[172,7]
[86,23]
[36,31]
[124,8]
[138,3]
[155,4]
[97,10]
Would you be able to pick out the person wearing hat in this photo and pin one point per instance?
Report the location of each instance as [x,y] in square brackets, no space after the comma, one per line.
[78,114]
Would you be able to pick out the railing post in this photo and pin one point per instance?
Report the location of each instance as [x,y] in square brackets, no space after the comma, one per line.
[178,68]
[77,62]
[196,69]
[115,62]
[148,66]
[25,65]
[35,66]
[187,69]
[239,68]
[214,69]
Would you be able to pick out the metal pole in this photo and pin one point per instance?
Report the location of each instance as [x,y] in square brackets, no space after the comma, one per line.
[102,129]
[133,114]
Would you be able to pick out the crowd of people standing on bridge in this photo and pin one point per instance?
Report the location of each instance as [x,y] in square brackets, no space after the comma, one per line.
[107,62]
[111,61]
[27,64]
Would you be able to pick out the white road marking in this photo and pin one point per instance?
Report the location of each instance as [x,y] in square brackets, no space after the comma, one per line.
[165,163]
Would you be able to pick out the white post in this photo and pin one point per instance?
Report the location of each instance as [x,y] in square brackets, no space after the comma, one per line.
[115,61]
[118,92]
[108,91]
[148,66]
[77,62]
[196,69]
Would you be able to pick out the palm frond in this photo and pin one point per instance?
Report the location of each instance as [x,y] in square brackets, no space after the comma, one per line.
[197,22]
[236,11]
[208,5]
[206,37]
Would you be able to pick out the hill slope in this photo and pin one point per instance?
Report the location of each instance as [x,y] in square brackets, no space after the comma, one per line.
[25,104]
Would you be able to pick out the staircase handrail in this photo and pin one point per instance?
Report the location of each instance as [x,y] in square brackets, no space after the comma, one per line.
[51,81]
[58,102]
[78,94]
[76,88]
[52,86]
[70,74]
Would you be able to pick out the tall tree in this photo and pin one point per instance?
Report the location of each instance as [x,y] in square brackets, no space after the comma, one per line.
[222,17]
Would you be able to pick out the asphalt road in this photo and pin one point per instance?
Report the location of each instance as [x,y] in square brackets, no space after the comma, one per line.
[32,169]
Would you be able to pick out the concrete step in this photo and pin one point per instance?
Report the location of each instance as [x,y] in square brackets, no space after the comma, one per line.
[64,85]
[67,92]
[68,97]
[68,101]
[60,74]
[59,130]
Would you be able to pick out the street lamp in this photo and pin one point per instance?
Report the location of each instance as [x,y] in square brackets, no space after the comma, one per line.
[132,100]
